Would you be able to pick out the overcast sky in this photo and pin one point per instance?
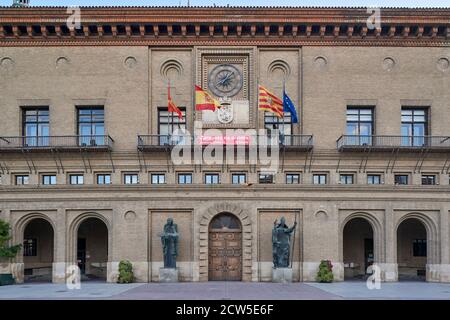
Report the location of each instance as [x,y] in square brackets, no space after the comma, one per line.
[363,3]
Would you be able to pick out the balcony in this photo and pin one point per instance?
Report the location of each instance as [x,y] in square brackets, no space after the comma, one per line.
[386,143]
[60,143]
[166,142]
[297,142]
[155,142]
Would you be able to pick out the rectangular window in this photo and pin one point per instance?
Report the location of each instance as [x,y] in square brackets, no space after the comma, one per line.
[35,127]
[169,122]
[373,179]
[271,122]
[238,178]
[21,179]
[319,179]
[131,178]
[414,126]
[158,178]
[428,179]
[265,178]
[30,247]
[48,179]
[346,178]
[212,178]
[401,179]
[76,179]
[185,178]
[360,125]
[91,126]
[419,247]
[292,178]
[103,178]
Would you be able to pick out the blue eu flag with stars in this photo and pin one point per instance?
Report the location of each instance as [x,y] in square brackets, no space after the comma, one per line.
[288,106]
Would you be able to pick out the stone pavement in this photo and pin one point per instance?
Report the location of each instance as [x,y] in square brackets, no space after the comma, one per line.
[391,290]
[228,291]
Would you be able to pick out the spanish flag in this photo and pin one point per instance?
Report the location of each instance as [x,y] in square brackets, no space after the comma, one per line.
[204,101]
[267,101]
[171,107]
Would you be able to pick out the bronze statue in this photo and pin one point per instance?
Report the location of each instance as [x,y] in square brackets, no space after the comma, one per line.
[169,239]
[281,243]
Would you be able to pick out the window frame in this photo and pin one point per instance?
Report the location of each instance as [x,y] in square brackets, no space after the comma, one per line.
[359,122]
[22,176]
[214,176]
[291,174]
[130,174]
[185,174]
[414,140]
[380,178]
[177,122]
[38,139]
[271,122]
[77,175]
[401,175]
[426,176]
[263,181]
[34,247]
[239,175]
[50,176]
[97,175]
[346,176]
[325,175]
[158,175]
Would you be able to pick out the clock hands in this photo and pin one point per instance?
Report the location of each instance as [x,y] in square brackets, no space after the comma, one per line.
[225,80]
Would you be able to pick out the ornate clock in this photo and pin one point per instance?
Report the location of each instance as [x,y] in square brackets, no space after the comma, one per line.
[225,80]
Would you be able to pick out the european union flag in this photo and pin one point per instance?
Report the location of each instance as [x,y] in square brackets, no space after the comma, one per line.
[288,106]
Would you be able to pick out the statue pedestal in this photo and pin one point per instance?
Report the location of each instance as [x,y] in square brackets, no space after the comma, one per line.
[282,275]
[168,275]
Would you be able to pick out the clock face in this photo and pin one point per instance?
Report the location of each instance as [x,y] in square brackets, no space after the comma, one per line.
[225,80]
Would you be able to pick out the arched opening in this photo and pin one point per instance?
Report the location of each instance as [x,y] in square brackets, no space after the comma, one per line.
[92,249]
[412,250]
[225,248]
[358,245]
[38,247]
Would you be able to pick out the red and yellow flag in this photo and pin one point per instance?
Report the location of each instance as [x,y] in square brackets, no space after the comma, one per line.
[171,107]
[204,101]
[267,101]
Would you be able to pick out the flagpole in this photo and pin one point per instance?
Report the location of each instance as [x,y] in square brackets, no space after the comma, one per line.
[171,116]
[284,89]
[293,241]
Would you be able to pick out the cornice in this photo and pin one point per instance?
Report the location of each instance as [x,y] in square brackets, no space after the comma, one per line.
[181,26]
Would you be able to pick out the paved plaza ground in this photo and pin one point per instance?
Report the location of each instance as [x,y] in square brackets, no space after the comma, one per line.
[228,291]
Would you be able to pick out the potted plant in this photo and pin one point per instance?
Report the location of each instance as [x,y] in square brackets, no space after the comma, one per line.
[7,252]
[325,273]
[125,272]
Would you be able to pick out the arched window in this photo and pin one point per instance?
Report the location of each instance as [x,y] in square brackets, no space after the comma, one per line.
[225,221]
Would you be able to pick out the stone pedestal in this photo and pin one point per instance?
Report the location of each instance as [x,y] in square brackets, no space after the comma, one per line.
[168,275]
[282,275]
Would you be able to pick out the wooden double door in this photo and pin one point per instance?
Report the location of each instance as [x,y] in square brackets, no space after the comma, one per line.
[225,255]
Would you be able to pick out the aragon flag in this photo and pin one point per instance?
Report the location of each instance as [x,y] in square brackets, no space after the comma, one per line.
[204,101]
[171,107]
[267,101]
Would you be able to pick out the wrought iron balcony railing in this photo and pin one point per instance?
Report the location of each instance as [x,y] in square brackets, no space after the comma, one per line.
[406,143]
[93,142]
[161,142]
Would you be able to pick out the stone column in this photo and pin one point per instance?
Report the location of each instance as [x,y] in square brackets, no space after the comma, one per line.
[60,261]
[445,243]
[388,265]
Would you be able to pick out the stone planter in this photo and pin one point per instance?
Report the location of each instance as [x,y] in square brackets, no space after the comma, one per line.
[6,277]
